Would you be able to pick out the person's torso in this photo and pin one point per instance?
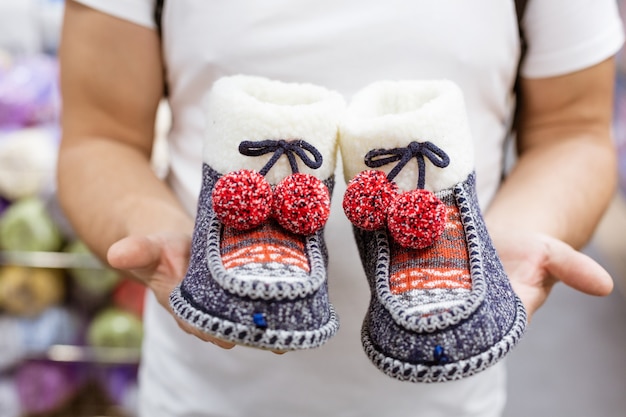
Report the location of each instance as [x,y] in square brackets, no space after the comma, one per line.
[343,45]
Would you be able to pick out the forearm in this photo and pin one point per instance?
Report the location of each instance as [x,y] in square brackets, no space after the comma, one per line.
[112,84]
[109,191]
[560,189]
[566,172]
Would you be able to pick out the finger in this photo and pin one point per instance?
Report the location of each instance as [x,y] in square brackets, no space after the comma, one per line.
[203,336]
[135,253]
[221,343]
[206,337]
[577,270]
[142,255]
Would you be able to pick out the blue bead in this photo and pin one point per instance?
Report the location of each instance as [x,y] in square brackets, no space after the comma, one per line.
[259,320]
[438,352]
[440,355]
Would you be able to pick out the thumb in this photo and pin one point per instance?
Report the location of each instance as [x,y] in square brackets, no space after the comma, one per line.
[135,253]
[577,270]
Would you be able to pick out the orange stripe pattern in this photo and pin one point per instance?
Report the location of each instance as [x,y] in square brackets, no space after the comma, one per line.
[266,244]
[444,265]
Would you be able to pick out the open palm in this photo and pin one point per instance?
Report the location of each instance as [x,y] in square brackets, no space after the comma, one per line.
[160,261]
[535,262]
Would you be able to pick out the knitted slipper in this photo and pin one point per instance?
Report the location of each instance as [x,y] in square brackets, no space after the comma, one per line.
[257,274]
[442,307]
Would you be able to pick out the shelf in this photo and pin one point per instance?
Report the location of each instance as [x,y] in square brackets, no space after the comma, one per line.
[86,354]
[50,260]
[70,353]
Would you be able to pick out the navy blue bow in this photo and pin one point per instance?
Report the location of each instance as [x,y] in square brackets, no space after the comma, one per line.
[377,158]
[292,148]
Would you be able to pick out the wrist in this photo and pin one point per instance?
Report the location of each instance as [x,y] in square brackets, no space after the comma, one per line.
[144,215]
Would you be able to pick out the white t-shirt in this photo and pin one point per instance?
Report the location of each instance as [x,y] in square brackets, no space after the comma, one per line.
[343,45]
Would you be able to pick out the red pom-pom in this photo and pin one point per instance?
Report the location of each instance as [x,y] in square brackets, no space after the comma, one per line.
[242,199]
[301,204]
[417,219]
[367,199]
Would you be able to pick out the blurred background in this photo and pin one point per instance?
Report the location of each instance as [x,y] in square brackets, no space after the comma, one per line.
[70,329]
[572,361]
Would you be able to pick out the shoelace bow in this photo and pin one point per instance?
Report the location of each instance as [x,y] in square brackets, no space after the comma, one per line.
[293,148]
[377,158]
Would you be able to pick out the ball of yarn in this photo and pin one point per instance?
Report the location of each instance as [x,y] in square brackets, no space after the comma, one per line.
[27,226]
[416,219]
[367,199]
[45,386]
[27,292]
[115,328]
[242,199]
[301,203]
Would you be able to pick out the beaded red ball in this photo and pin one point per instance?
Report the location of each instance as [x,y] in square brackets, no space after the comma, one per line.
[367,199]
[242,199]
[301,203]
[416,219]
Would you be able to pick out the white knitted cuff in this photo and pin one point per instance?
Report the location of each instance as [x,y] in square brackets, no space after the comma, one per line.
[391,114]
[247,108]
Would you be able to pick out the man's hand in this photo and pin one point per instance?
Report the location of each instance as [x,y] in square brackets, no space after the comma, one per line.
[535,262]
[563,180]
[160,261]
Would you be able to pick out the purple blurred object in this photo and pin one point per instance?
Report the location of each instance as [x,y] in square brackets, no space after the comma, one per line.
[619,126]
[29,92]
[118,380]
[4,203]
[45,386]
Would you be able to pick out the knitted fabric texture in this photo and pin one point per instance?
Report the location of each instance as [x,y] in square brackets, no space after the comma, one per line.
[437,277]
[267,251]
[242,199]
[416,219]
[428,321]
[258,269]
[367,199]
[441,307]
[301,204]
[265,301]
